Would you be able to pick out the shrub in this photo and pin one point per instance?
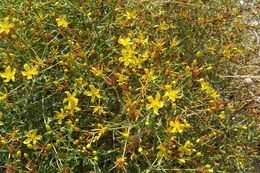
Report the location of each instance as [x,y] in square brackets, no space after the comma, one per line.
[123,86]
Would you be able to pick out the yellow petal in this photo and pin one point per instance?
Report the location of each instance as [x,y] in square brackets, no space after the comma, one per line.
[26,67]
[150,98]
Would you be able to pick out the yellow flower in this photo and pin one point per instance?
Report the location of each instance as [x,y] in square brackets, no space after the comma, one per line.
[158,45]
[121,78]
[124,41]
[8,74]
[70,97]
[72,102]
[174,42]
[6,26]
[130,15]
[61,21]
[72,107]
[149,75]
[125,134]
[79,83]
[129,56]
[177,126]
[99,109]
[155,103]
[32,137]
[97,71]
[145,55]
[40,62]
[59,116]
[186,149]
[94,92]
[172,94]
[205,86]
[163,26]
[30,71]
[221,115]
[163,152]
[141,40]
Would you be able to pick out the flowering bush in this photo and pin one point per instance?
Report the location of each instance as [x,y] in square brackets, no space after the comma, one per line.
[123,86]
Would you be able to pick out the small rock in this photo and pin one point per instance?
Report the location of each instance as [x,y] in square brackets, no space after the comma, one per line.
[248,81]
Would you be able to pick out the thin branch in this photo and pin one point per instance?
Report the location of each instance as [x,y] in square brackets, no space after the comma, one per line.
[243,76]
